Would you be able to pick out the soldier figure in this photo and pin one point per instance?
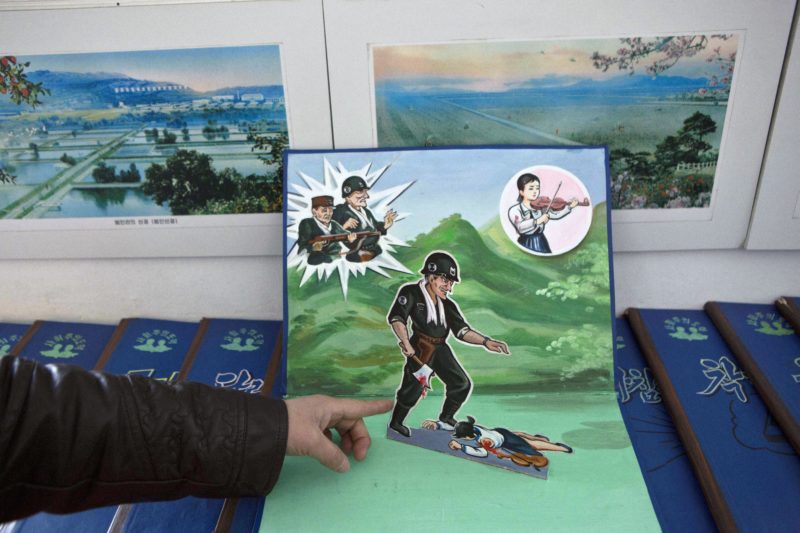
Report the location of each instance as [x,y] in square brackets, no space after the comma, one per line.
[353,215]
[433,316]
[321,224]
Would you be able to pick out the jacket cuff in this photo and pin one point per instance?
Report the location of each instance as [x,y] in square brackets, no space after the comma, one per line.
[266,433]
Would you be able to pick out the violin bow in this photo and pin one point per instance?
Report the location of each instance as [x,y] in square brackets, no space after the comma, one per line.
[553,198]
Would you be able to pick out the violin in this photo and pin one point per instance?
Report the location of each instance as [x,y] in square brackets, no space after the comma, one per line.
[558,203]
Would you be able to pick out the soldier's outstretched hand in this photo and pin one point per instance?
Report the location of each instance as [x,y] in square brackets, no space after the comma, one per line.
[388,219]
[497,346]
[311,419]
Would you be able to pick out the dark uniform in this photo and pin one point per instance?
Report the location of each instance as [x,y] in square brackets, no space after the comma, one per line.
[343,212]
[429,341]
[310,228]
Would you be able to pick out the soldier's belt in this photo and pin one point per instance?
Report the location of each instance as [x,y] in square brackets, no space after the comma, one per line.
[432,340]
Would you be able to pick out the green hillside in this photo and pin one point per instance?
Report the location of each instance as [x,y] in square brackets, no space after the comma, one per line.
[554,313]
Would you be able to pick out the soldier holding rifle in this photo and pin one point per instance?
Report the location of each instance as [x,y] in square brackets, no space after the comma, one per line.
[353,215]
[320,236]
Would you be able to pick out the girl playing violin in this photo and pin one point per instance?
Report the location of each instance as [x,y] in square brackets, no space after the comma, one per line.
[530,215]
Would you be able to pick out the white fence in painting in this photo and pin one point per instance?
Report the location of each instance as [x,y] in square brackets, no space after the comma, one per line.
[695,166]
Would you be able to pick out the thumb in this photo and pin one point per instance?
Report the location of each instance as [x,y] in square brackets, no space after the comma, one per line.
[329,454]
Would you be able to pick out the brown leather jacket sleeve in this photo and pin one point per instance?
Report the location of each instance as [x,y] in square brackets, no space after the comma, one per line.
[72,439]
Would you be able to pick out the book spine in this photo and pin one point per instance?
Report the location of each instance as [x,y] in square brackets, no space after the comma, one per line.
[790,311]
[772,399]
[191,355]
[112,343]
[717,504]
[17,349]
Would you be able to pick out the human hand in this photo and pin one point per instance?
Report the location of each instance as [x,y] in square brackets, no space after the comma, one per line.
[388,219]
[311,419]
[542,220]
[350,223]
[317,246]
[454,445]
[351,237]
[429,424]
[497,346]
[573,202]
[407,349]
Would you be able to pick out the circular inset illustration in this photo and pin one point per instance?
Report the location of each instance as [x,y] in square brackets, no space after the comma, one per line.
[545,210]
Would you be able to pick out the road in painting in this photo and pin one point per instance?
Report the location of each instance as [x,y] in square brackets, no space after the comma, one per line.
[121,134]
[658,103]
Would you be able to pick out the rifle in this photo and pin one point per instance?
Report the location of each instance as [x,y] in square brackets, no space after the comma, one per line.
[343,236]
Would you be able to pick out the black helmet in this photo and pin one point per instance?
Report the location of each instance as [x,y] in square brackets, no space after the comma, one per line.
[441,263]
[352,184]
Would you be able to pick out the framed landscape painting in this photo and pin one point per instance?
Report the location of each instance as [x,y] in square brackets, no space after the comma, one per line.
[151,139]
[681,94]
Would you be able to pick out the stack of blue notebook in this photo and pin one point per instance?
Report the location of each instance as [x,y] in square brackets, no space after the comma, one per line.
[241,354]
[711,401]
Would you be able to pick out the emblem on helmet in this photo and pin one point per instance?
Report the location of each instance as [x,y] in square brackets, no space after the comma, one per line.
[432,267]
[347,190]
[452,271]
[403,300]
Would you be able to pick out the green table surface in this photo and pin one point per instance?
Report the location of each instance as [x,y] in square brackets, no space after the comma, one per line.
[404,488]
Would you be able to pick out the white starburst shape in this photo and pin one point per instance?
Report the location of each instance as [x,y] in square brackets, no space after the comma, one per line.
[299,207]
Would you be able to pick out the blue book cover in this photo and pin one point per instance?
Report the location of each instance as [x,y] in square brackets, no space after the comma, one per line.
[148,347]
[10,335]
[77,344]
[747,469]
[662,458]
[91,521]
[769,351]
[240,354]
[71,343]
[789,306]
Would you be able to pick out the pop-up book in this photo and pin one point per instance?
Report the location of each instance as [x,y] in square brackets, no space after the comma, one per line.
[453,279]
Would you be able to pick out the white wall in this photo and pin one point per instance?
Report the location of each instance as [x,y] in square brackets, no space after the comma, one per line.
[107,290]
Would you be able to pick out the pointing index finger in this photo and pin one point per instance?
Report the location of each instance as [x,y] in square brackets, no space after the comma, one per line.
[360,408]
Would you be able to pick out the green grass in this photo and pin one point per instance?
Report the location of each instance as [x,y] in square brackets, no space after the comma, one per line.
[346,346]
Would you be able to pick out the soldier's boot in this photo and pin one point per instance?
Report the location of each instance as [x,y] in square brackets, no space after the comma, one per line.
[398,415]
[447,416]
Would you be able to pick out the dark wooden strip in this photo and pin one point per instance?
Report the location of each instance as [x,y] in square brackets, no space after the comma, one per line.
[112,343]
[790,311]
[708,483]
[17,349]
[274,364]
[188,361]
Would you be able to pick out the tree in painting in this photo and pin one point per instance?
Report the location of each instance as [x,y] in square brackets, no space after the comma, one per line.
[662,53]
[680,172]
[187,181]
[14,82]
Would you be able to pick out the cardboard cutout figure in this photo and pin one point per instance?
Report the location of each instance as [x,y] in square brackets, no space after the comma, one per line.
[433,316]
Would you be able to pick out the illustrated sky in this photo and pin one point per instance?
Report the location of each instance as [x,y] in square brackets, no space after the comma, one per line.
[500,66]
[201,69]
[464,181]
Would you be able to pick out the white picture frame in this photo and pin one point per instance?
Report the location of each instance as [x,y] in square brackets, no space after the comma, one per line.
[354,26]
[296,27]
[775,224]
